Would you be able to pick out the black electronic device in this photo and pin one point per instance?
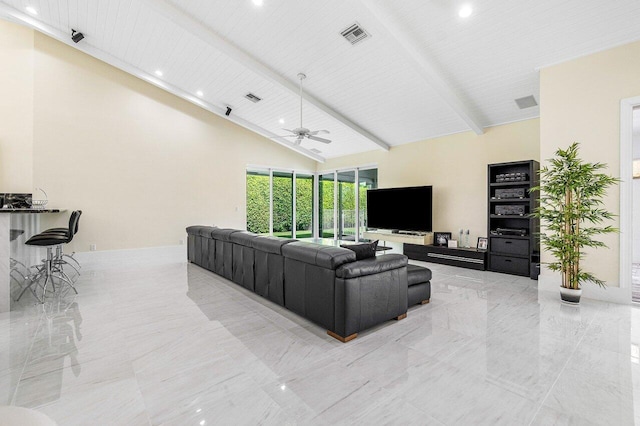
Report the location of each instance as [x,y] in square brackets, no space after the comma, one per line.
[76,36]
[516,209]
[407,209]
[510,231]
[506,193]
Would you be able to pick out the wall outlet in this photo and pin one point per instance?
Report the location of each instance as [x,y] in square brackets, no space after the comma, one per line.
[181,242]
[92,247]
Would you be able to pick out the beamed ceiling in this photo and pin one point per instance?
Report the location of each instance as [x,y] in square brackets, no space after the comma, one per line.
[423,72]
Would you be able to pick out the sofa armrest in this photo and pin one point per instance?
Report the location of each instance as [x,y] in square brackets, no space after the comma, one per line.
[372,266]
[365,301]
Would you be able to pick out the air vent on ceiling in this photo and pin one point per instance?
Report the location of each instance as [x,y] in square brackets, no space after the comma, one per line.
[355,34]
[526,102]
[253,98]
[315,150]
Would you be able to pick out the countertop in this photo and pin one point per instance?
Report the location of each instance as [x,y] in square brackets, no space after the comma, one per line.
[30,210]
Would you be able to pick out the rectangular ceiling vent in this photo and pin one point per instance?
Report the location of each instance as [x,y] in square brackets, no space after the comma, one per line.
[526,102]
[253,98]
[315,151]
[355,34]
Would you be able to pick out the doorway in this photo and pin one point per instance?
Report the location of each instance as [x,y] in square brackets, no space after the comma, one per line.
[635,269]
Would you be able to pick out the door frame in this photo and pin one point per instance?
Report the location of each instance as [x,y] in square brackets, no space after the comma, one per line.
[626,191]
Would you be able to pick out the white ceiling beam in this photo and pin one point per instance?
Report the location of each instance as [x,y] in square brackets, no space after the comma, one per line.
[197,28]
[423,65]
[22,18]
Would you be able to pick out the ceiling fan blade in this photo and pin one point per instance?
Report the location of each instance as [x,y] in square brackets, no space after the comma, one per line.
[317,139]
[298,140]
[287,130]
[319,132]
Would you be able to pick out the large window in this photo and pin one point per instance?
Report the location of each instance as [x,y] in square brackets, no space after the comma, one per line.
[347,205]
[280,203]
[343,202]
[283,204]
[304,205]
[327,205]
[258,201]
[367,179]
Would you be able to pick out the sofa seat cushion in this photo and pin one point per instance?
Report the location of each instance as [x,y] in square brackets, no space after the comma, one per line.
[371,266]
[200,230]
[223,234]
[418,274]
[244,238]
[270,244]
[328,257]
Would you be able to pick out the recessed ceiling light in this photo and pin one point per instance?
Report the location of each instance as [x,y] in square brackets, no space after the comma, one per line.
[32,10]
[159,73]
[258,2]
[281,121]
[199,93]
[465,11]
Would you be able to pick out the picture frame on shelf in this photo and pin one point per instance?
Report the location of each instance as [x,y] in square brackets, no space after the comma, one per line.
[441,238]
[452,244]
[483,243]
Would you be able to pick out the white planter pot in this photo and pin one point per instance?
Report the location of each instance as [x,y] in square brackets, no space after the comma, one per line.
[569,295]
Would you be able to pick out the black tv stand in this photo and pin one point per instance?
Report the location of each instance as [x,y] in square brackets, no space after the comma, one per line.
[454,256]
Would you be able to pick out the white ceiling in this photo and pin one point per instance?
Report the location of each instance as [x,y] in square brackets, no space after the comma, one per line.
[364,93]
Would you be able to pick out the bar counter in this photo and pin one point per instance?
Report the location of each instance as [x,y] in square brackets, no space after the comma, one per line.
[25,222]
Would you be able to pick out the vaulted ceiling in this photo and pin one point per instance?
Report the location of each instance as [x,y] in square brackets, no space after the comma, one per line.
[423,72]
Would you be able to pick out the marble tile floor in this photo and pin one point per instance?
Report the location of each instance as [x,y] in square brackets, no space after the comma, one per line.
[635,282]
[162,342]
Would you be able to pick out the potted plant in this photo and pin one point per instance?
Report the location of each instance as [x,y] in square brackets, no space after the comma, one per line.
[572,211]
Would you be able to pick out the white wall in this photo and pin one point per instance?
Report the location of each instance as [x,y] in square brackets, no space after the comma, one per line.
[140,163]
[456,166]
[16,108]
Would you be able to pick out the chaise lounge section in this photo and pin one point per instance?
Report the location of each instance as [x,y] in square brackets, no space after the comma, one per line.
[324,284]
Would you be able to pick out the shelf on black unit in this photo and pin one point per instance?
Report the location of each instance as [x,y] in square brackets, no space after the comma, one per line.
[522,182]
[515,237]
[516,256]
[509,200]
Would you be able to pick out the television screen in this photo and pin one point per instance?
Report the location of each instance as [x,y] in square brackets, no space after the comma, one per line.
[404,209]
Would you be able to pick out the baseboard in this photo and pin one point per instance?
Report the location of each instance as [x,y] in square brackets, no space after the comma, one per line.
[551,282]
[166,253]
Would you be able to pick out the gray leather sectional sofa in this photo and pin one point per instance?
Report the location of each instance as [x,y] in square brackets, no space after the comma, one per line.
[322,283]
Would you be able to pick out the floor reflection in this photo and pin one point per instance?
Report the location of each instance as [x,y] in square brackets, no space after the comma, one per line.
[53,348]
[157,341]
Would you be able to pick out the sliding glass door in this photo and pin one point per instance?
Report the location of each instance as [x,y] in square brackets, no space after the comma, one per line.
[367,179]
[259,201]
[326,204]
[283,204]
[347,205]
[304,205]
[280,202]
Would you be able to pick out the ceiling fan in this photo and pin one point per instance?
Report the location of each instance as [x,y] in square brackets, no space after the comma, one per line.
[302,132]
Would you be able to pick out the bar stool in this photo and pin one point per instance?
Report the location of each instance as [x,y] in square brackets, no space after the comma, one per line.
[59,257]
[48,269]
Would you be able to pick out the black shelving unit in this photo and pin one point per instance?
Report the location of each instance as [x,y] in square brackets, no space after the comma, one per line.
[514,246]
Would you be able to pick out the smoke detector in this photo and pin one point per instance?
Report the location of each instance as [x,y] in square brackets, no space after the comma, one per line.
[354,34]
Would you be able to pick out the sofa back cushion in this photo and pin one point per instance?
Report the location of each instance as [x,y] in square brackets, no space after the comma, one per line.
[328,257]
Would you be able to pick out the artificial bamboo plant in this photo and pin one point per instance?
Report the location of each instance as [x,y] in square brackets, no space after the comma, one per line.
[573,212]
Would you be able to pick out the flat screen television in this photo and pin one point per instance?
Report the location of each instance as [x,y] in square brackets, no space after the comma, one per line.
[405,209]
